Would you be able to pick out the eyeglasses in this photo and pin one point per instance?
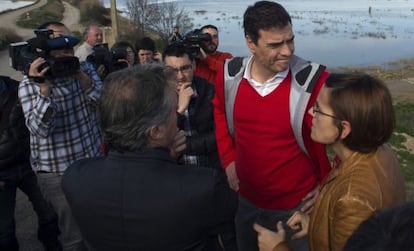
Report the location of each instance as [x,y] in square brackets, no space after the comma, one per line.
[184,69]
[317,109]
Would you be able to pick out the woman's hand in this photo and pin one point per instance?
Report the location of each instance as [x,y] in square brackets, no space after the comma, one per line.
[299,221]
[268,240]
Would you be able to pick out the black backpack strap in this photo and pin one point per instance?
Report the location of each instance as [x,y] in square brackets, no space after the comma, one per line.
[234,66]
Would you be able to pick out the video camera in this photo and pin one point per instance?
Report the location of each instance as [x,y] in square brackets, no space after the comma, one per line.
[108,58]
[192,41]
[22,54]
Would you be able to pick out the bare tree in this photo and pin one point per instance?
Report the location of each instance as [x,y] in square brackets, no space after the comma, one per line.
[159,16]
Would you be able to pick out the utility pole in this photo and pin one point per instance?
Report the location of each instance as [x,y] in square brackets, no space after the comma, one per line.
[114,20]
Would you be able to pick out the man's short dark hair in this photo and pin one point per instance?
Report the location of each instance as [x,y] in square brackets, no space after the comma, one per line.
[388,229]
[176,50]
[145,43]
[208,26]
[54,23]
[264,15]
[133,101]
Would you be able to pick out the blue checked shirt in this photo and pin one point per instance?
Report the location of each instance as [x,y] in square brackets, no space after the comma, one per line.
[72,132]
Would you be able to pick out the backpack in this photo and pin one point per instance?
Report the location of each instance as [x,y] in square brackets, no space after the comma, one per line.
[305,75]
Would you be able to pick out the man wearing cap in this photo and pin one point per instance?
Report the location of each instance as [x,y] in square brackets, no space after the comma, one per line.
[60,113]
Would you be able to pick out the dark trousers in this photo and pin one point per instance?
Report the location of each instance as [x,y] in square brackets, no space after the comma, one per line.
[247,214]
[24,178]
[225,239]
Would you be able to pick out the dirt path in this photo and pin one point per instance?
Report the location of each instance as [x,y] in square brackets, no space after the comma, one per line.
[8,20]
[71,17]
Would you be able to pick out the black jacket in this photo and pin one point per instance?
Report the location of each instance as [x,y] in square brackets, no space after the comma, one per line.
[14,136]
[145,201]
[204,143]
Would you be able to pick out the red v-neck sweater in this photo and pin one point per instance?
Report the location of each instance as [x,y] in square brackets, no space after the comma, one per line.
[273,172]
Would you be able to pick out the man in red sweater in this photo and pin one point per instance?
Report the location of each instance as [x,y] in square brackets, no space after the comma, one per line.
[210,61]
[263,137]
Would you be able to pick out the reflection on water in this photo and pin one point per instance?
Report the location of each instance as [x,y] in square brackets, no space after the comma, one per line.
[327,31]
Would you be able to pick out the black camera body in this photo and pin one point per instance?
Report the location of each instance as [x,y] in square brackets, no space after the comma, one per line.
[22,54]
[102,55]
[192,41]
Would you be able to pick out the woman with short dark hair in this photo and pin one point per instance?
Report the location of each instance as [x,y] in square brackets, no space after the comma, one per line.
[353,114]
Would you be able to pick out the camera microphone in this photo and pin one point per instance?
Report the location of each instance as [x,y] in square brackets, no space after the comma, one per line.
[62,42]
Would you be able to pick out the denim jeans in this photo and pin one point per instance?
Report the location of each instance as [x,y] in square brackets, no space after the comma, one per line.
[71,238]
[247,214]
[23,177]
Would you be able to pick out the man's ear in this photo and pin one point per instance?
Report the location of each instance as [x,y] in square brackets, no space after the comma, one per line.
[346,129]
[250,44]
[156,133]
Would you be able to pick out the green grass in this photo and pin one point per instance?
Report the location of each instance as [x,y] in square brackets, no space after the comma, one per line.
[404,113]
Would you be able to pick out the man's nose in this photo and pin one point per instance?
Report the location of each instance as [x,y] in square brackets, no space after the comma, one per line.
[286,49]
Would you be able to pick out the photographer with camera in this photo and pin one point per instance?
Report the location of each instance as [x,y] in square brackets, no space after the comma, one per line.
[175,36]
[107,60]
[210,61]
[128,49]
[59,105]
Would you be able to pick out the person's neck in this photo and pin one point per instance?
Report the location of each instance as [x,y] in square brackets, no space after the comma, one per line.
[342,151]
[260,73]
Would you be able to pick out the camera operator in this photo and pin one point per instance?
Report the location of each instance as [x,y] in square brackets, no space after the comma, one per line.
[60,113]
[175,36]
[129,51]
[210,61]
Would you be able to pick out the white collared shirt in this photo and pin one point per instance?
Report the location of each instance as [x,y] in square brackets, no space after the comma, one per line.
[269,85]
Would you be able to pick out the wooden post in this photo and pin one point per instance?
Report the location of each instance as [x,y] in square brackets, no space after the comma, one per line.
[114,20]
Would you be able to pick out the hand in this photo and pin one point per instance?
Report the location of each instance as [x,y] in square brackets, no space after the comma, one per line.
[185,92]
[311,198]
[158,57]
[101,71]
[298,221]
[34,68]
[202,54]
[268,240]
[46,86]
[232,176]
[84,80]
[122,60]
[178,146]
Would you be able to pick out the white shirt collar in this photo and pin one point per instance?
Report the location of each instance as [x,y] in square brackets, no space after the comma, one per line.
[269,85]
